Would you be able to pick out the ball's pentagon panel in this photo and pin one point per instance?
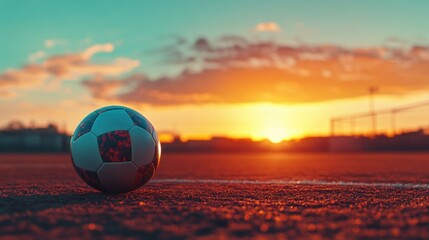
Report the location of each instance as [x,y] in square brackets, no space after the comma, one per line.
[140,137]
[140,120]
[85,125]
[117,177]
[144,174]
[85,152]
[112,120]
[115,146]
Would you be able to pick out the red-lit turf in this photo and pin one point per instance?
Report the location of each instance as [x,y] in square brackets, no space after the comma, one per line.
[42,197]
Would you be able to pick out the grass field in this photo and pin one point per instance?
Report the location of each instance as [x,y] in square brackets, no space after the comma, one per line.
[223,196]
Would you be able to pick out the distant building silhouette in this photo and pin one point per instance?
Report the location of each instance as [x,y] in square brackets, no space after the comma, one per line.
[408,141]
[15,137]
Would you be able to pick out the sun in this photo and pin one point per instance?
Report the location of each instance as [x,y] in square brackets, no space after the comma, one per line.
[275,134]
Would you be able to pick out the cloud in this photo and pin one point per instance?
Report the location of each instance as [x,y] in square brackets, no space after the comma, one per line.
[6,94]
[239,70]
[89,52]
[267,27]
[36,56]
[104,89]
[49,43]
[65,67]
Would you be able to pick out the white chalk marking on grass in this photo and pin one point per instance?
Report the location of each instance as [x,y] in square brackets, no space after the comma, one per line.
[297,182]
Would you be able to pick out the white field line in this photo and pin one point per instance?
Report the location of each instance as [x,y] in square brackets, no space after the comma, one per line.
[236,181]
[296,182]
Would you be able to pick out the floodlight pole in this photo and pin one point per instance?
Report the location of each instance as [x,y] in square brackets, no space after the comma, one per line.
[372,91]
[352,126]
[393,121]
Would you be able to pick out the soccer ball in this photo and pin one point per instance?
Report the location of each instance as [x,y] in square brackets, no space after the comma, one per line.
[115,149]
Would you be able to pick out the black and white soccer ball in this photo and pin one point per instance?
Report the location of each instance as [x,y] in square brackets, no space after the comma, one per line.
[115,149]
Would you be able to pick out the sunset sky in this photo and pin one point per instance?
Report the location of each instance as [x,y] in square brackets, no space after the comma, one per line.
[255,69]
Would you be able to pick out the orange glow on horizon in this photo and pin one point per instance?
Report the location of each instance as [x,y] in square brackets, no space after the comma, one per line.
[257,121]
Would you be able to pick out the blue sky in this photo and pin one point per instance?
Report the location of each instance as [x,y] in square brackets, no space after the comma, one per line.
[140,25]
